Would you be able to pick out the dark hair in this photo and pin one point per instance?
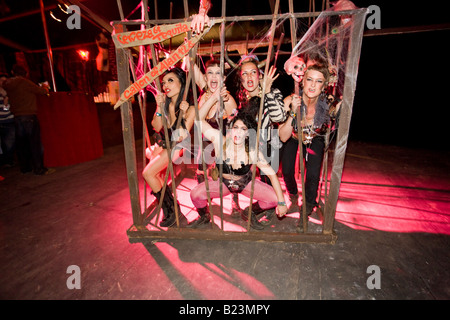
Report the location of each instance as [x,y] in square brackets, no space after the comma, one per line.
[250,106]
[241,92]
[250,123]
[212,62]
[19,70]
[316,57]
[246,118]
[181,75]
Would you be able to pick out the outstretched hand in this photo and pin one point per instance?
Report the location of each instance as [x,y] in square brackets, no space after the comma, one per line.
[270,78]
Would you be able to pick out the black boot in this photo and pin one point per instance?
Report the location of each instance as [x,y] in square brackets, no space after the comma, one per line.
[260,212]
[168,209]
[203,218]
[170,194]
[181,218]
[235,208]
[254,223]
[263,216]
[309,208]
[294,203]
[200,177]
[256,209]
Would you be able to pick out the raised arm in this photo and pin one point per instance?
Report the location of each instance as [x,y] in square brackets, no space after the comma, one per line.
[274,98]
[205,106]
[199,77]
[201,19]
[275,105]
[157,122]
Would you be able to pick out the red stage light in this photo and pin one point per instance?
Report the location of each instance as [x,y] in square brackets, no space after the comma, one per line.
[84,54]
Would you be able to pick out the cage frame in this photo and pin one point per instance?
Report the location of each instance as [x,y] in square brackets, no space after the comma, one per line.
[138,231]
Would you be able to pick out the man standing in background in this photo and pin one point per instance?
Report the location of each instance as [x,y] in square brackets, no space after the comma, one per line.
[7,130]
[22,99]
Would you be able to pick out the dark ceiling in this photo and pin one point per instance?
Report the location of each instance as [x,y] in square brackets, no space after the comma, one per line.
[22,27]
[400,55]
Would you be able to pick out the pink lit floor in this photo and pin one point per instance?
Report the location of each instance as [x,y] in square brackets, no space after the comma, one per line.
[393,212]
[388,192]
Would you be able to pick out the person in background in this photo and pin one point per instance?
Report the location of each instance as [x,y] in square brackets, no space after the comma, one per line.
[22,94]
[208,84]
[7,130]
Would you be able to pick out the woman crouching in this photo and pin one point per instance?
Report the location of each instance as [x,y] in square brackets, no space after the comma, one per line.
[239,155]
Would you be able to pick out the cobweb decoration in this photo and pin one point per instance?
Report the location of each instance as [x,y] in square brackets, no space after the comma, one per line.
[327,42]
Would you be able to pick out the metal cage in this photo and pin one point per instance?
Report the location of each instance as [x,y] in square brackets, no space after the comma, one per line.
[142,229]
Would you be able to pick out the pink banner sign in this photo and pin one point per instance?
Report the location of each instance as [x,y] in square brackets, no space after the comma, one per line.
[156,34]
[159,69]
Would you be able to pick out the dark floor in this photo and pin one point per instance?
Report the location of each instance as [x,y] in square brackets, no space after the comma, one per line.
[393,213]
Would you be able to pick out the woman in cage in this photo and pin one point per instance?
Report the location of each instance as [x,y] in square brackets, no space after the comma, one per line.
[250,80]
[295,66]
[179,119]
[316,116]
[209,83]
[238,154]
[250,93]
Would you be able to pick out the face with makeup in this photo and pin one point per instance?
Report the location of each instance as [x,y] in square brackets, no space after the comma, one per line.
[239,132]
[313,83]
[250,77]
[171,85]
[213,77]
